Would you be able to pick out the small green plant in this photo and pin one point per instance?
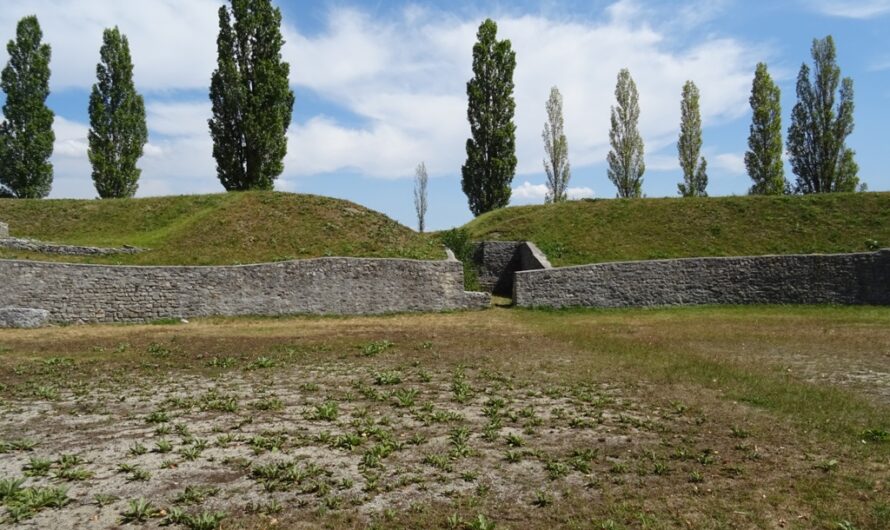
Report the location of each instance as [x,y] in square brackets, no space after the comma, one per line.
[389,377]
[269,403]
[104,499]
[37,467]
[138,511]
[376,347]
[405,397]
[514,440]
[158,416]
[876,435]
[542,499]
[482,523]
[261,363]
[827,465]
[163,446]
[327,411]
[190,453]
[138,449]
[222,362]
[196,494]
[204,521]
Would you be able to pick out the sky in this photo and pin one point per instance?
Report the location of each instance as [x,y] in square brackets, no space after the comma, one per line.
[380,86]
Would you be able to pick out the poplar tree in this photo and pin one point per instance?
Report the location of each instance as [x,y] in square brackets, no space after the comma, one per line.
[626,165]
[491,152]
[420,197]
[26,134]
[695,168]
[252,100]
[556,165]
[817,137]
[117,120]
[764,157]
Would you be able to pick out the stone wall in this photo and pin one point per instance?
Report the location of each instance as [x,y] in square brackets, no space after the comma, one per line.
[32,245]
[98,293]
[496,261]
[4,230]
[793,279]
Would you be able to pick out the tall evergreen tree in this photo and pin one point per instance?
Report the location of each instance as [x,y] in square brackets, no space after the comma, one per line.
[420,197]
[817,137]
[556,165]
[626,165]
[26,134]
[764,156]
[491,152]
[117,120]
[252,100]
[695,168]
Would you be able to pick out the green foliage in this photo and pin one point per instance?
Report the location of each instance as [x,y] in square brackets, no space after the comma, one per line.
[26,134]
[117,120]
[695,171]
[556,164]
[764,157]
[579,232]
[458,241]
[817,137]
[251,97]
[626,165]
[491,152]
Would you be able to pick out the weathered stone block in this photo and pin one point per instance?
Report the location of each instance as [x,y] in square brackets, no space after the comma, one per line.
[21,317]
[4,230]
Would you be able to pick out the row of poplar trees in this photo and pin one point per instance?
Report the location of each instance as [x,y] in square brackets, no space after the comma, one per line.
[117,118]
[820,123]
[249,91]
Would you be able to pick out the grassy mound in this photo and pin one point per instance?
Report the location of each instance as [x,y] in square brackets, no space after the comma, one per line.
[591,231]
[227,228]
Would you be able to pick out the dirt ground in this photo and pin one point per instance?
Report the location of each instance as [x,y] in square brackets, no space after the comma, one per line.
[506,418]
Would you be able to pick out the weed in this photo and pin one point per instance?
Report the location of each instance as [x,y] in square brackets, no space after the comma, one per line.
[158,416]
[876,435]
[542,499]
[326,411]
[405,396]
[190,453]
[104,499]
[271,403]
[47,392]
[739,432]
[482,523]
[827,465]
[139,511]
[138,449]
[696,478]
[222,362]
[163,446]
[73,474]
[389,377]
[375,347]
[438,461]
[556,469]
[514,440]
[261,363]
[195,494]
[37,467]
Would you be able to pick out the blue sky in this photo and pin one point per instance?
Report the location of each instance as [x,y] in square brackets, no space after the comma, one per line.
[380,87]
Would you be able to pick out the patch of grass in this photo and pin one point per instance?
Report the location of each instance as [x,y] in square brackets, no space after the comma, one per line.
[226,228]
[579,232]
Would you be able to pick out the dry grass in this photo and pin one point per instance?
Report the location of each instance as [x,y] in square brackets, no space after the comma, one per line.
[698,418]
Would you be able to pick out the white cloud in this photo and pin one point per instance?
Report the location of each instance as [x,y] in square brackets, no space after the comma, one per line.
[530,192]
[173,42]
[71,138]
[731,163]
[860,9]
[401,81]
[527,193]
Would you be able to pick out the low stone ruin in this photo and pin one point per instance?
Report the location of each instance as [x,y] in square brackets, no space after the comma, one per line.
[23,318]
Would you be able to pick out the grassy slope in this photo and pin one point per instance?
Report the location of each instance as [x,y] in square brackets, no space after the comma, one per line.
[579,232]
[215,229]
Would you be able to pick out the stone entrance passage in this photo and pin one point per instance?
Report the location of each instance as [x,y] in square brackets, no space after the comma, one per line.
[496,261]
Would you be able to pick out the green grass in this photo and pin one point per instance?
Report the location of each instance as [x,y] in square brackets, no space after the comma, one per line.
[232,228]
[593,231]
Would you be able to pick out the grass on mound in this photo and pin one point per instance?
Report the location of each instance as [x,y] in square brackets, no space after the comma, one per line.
[592,231]
[231,228]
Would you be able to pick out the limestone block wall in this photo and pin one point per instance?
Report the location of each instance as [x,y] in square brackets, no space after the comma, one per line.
[4,230]
[496,261]
[77,293]
[862,278]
